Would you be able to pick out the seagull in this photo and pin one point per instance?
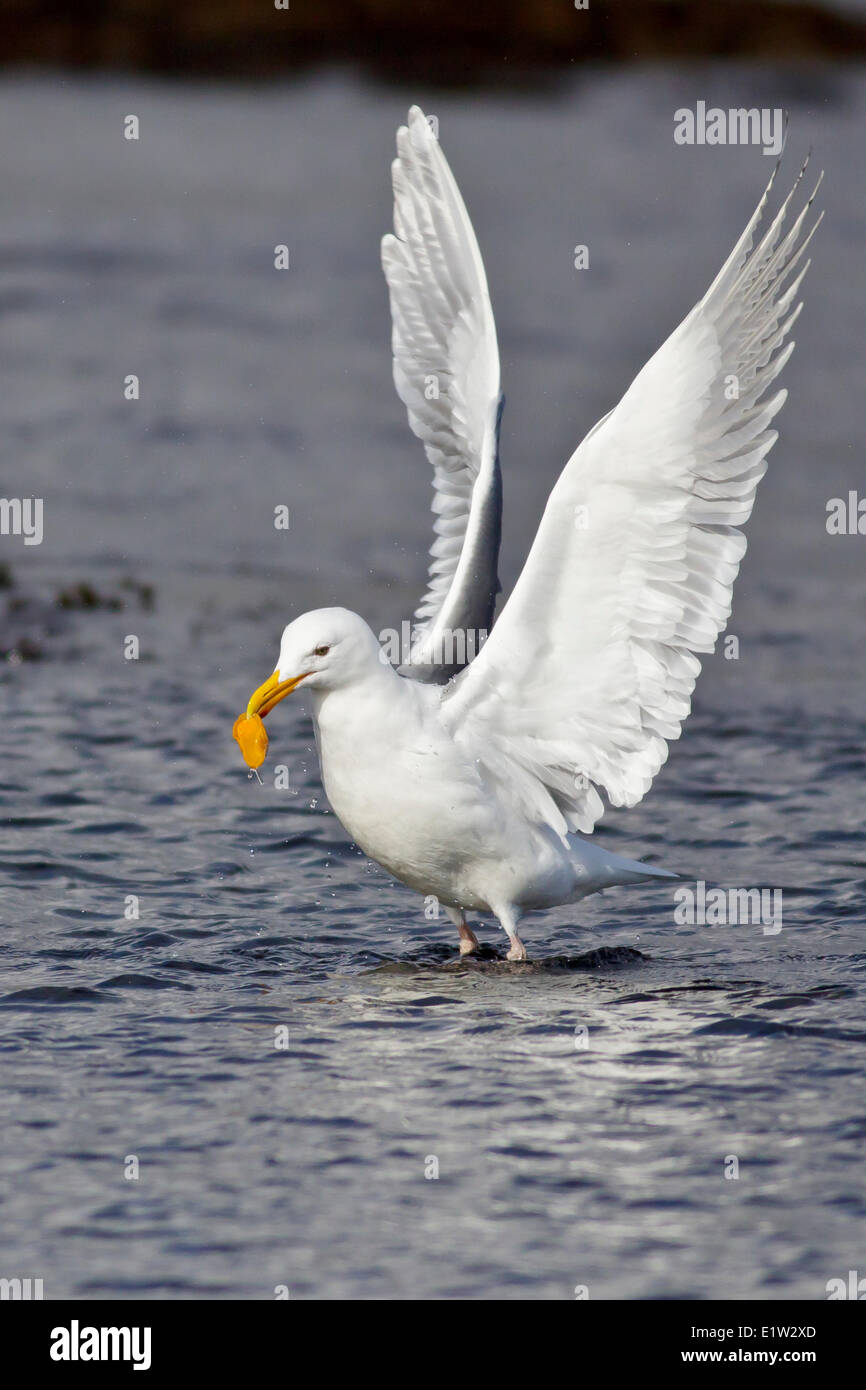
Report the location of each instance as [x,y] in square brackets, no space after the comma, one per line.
[476,780]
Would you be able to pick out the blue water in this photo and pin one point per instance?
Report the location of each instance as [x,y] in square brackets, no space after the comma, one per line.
[156,1037]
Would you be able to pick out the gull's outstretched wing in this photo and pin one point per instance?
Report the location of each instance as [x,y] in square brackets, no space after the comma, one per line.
[446,370]
[591,666]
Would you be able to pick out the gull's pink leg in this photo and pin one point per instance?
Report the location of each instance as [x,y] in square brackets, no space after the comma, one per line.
[508,918]
[468,939]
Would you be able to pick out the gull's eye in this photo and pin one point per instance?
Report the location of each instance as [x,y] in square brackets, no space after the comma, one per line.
[322,651]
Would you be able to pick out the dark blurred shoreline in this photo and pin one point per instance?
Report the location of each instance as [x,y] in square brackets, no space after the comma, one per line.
[500,43]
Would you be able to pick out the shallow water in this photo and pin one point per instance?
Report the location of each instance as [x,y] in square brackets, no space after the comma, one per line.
[583,1111]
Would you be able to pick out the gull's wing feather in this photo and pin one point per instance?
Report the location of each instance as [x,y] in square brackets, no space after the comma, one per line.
[446,370]
[590,668]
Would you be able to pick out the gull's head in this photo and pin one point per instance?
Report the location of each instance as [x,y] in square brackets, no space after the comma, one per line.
[322,650]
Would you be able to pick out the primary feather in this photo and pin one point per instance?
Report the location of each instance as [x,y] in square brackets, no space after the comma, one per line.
[446,371]
[590,669]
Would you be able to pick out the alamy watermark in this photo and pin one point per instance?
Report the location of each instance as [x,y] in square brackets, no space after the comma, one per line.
[22,516]
[77,1343]
[853,1287]
[764,126]
[729,907]
[21,1289]
[846,516]
[449,647]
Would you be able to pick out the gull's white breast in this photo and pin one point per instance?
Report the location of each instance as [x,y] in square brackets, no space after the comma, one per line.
[411,800]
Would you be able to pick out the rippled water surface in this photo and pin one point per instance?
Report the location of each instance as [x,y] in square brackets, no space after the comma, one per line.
[282,1041]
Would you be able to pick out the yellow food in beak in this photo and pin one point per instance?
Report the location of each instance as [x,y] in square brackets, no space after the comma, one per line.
[250,733]
[248,728]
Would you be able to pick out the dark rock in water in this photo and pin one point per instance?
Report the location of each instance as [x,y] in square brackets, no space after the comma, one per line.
[32,622]
[84,596]
[24,627]
[25,649]
[145,593]
[596,960]
[602,958]
[437,956]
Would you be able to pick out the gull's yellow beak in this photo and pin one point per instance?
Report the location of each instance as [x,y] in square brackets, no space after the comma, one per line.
[262,701]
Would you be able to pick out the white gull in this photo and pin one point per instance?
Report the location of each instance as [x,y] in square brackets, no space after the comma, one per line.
[477,784]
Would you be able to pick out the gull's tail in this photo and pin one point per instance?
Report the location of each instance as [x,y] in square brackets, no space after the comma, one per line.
[597,868]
